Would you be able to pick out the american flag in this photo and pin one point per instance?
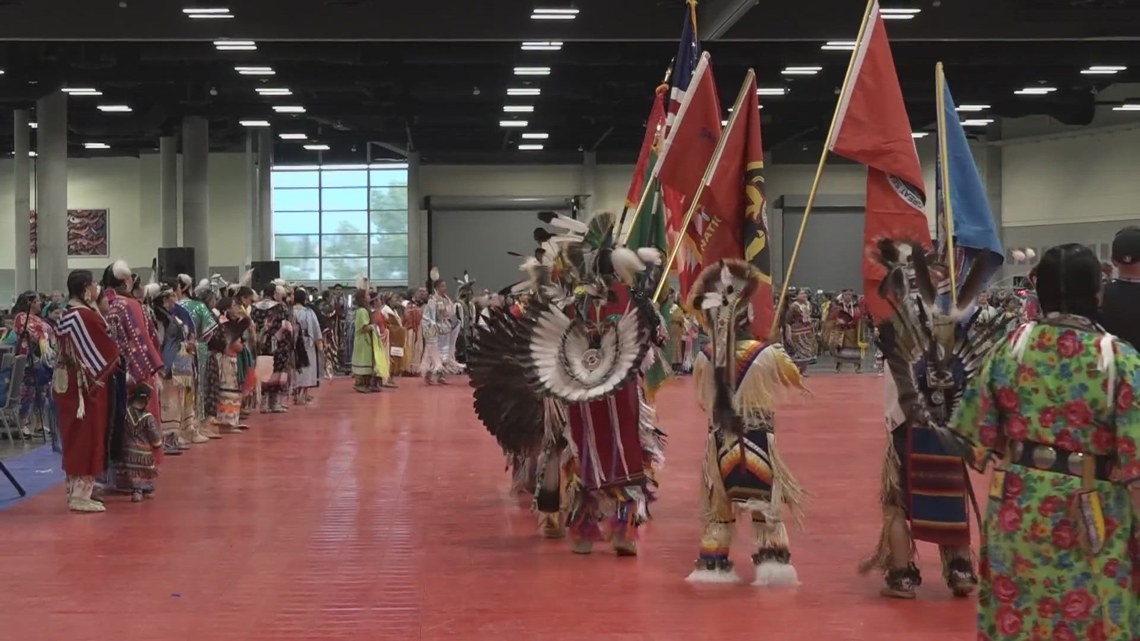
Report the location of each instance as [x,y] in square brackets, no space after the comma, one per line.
[688,54]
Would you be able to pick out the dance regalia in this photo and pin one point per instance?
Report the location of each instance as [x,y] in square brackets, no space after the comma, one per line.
[931,352]
[127,324]
[275,339]
[438,328]
[397,339]
[87,359]
[308,333]
[414,340]
[382,365]
[35,338]
[737,379]
[843,330]
[560,383]
[205,324]
[800,335]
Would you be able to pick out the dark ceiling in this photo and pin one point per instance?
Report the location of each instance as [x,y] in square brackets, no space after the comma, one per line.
[432,75]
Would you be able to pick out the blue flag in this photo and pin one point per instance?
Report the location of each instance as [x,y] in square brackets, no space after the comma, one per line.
[975,237]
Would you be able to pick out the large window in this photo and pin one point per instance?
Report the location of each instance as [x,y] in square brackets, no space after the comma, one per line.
[333,222]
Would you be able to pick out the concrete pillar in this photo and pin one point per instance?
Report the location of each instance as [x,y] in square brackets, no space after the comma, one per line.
[22,199]
[265,192]
[417,224]
[253,252]
[196,192]
[168,189]
[51,192]
[590,185]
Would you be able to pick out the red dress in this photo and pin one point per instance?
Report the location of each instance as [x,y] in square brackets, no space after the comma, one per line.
[88,357]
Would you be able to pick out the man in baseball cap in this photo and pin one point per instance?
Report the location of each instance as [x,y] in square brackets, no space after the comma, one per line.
[1120,303]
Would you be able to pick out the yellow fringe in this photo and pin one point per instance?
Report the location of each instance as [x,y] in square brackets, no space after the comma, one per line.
[771,372]
[705,381]
[718,508]
[786,489]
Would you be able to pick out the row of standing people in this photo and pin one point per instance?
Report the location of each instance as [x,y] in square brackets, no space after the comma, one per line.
[145,372]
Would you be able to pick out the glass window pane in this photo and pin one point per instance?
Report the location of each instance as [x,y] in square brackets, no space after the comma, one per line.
[344,222]
[344,178]
[388,198]
[389,245]
[342,270]
[296,199]
[296,222]
[296,246]
[389,270]
[392,221]
[299,268]
[389,177]
[344,199]
[285,178]
[333,245]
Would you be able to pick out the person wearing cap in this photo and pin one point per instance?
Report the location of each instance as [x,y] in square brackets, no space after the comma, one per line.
[1120,302]
[1056,408]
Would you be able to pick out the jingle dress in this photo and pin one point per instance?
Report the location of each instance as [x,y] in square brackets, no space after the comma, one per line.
[844,321]
[274,339]
[141,439]
[1052,390]
[800,334]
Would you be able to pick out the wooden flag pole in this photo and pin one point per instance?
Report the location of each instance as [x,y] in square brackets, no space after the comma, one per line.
[704,182]
[819,172]
[944,171]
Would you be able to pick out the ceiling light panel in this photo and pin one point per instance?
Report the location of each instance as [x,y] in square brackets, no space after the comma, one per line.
[801,71]
[294,136]
[524,91]
[235,45]
[274,91]
[255,71]
[1127,107]
[513,123]
[1035,91]
[254,123]
[919,134]
[1103,70]
[771,91]
[977,122]
[96,145]
[889,13]
[518,109]
[547,45]
[554,14]
[317,147]
[530,147]
[532,71]
[535,135]
[289,109]
[971,108]
[839,45]
[115,108]
[208,13]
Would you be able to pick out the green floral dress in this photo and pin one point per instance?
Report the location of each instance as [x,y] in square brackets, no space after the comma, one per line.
[1037,581]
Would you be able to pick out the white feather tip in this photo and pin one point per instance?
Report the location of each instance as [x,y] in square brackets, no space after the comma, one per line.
[121,269]
[649,255]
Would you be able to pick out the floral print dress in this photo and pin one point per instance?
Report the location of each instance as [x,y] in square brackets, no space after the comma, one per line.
[1037,580]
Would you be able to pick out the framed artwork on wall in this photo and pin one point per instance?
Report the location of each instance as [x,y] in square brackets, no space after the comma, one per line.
[88,233]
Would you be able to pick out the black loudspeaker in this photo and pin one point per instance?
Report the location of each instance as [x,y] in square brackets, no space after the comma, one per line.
[173,261]
[265,271]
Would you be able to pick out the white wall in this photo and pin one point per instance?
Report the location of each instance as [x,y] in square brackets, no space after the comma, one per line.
[128,187]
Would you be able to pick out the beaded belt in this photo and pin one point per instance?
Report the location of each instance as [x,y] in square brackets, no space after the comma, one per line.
[1054,459]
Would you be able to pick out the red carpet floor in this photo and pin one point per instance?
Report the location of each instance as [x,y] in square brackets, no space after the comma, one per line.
[388,517]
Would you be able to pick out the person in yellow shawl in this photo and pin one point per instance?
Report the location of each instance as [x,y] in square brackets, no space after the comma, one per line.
[382,364]
[363,359]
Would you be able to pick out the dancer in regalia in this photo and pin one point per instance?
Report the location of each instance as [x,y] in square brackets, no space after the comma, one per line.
[932,350]
[88,356]
[799,332]
[274,339]
[439,322]
[843,329]
[564,379]
[737,379]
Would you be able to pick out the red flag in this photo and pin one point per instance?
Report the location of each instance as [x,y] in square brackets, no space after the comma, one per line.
[872,127]
[685,155]
[734,222]
[653,128]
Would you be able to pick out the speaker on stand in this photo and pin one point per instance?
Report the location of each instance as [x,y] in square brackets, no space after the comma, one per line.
[173,261]
[264,272]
